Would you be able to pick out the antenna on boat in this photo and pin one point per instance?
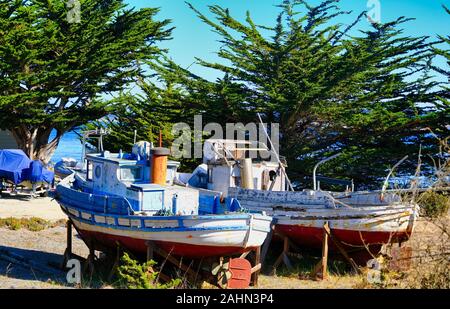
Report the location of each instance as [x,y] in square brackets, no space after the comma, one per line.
[135,136]
[276,154]
[319,164]
[386,181]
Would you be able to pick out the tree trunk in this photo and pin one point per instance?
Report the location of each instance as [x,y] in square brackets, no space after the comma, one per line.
[35,142]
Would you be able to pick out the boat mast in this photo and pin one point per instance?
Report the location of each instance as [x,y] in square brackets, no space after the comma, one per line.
[276,154]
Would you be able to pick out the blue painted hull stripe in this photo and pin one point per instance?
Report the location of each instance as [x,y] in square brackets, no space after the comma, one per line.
[152,230]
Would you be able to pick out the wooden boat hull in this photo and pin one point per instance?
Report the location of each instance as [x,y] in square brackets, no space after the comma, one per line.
[139,246]
[312,236]
[187,236]
[301,216]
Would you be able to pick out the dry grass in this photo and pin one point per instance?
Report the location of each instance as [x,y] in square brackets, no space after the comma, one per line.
[32,224]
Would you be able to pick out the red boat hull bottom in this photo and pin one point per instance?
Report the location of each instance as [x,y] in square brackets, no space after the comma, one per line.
[138,246]
[354,242]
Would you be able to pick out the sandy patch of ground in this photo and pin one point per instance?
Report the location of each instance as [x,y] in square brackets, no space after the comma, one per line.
[333,282]
[42,207]
[44,248]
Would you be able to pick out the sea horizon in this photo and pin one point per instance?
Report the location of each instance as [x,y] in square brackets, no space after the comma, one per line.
[69,147]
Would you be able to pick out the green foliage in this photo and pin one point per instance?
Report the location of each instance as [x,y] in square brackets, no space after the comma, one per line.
[160,104]
[434,205]
[444,94]
[370,96]
[330,92]
[31,224]
[133,275]
[56,74]
[164,213]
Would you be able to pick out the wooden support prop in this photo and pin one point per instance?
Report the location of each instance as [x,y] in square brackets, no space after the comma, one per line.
[187,269]
[68,252]
[89,265]
[320,270]
[150,246]
[22,261]
[284,256]
[150,255]
[266,244]
[257,268]
[116,261]
[244,255]
[341,249]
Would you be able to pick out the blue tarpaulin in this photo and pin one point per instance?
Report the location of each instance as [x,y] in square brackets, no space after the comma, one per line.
[16,167]
[37,173]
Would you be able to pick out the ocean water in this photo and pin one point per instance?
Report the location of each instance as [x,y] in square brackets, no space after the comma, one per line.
[69,147]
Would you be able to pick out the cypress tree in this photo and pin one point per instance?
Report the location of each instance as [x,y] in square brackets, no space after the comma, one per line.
[370,96]
[59,65]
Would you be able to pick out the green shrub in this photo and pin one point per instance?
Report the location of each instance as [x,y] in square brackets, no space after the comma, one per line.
[434,205]
[133,275]
[32,224]
[11,223]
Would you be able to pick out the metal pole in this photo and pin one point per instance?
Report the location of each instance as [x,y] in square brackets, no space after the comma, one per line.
[320,163]
[83,154]
[276,154]
[386,182]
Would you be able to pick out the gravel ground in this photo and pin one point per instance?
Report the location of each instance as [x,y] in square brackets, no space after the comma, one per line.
[41,248]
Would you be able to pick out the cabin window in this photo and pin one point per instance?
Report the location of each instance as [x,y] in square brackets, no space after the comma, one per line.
[98,171]
[131,173]
[272,175]
[89,170]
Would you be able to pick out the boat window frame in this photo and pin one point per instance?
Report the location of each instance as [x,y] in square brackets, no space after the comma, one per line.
[89,169]
[141,168]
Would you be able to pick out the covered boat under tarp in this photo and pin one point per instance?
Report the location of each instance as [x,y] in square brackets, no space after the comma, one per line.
[14,164]
[16,169]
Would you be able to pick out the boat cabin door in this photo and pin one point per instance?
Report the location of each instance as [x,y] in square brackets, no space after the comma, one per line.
[98,177]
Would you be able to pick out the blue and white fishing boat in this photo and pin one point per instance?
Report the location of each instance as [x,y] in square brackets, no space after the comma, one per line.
[119,200]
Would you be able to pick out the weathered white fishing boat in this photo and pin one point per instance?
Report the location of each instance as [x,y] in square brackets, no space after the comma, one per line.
[116,203]
[358,219]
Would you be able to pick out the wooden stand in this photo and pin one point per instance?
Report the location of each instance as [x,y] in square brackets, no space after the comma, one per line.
[152,248]
[68,251]
[68,254]
[116,261]
[193,275]
[284,256]
[320,270]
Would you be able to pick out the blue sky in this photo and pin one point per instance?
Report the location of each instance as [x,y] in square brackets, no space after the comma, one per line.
[192,38]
